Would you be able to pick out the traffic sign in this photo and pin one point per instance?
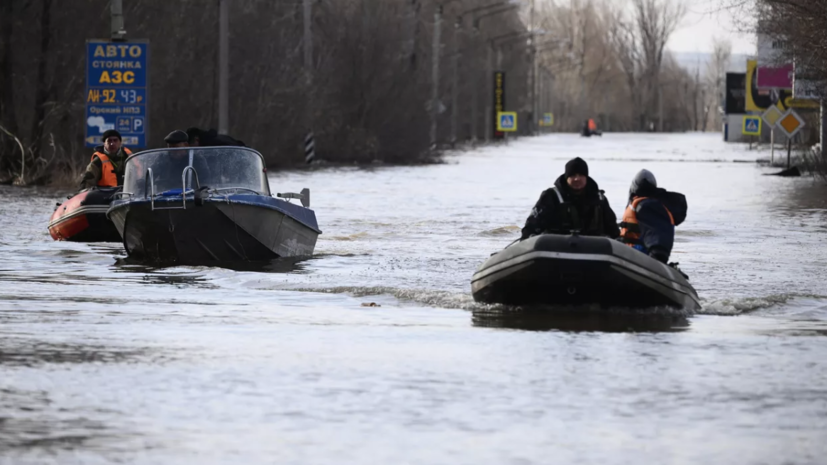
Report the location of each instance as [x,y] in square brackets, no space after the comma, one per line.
[791,123]
[771,116]
[752,126]
[507,121]
[117,83]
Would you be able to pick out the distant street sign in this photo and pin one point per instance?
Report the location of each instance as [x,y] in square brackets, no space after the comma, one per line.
[752,126]
[791,123]
[117,79]
[507,121]
[771,116]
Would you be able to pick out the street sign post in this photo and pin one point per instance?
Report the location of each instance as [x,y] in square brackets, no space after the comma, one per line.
[117,97]
[771,117]
[752,126]
[790,124]
[507,121]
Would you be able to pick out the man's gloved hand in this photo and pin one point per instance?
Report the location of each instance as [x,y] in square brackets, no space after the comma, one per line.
[659,255]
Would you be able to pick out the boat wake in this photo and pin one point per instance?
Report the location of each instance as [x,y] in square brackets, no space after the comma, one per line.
[739,306]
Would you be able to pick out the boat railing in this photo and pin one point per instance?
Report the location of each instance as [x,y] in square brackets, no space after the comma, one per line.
[184,191]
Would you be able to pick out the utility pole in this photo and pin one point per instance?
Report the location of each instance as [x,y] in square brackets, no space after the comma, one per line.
[660,108]
[435,73]
[455,84]
[223,66]
[532,75]
[489,79]
[475,89]
[116,16]
[310,138]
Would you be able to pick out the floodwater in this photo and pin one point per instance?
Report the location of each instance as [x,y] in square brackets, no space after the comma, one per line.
[102,360]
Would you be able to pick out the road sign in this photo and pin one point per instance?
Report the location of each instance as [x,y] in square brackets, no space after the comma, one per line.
[752,125]
[507,121]
[771,116]
[791,123]
[117,82]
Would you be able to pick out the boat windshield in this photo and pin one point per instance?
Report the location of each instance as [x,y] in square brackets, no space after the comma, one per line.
[223,168]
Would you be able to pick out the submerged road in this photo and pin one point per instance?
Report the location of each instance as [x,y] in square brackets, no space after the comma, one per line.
[106,361]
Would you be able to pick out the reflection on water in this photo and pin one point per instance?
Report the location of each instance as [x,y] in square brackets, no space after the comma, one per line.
[582,320]
[278,265]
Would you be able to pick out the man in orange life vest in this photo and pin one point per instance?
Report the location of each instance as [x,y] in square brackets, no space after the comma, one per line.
[649,221]
[575,203]
[108,162]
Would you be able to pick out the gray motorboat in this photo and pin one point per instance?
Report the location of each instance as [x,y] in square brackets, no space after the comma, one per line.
[552,269]
[209,204]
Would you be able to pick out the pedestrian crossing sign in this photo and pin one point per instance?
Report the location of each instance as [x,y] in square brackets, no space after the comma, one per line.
[752,126]
[507,121]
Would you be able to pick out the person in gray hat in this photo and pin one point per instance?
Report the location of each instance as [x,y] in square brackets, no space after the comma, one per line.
[650,218]
[177,138]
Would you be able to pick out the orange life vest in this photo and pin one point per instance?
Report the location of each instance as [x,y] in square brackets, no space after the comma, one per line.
[592,125]
[629,227]
[108,176]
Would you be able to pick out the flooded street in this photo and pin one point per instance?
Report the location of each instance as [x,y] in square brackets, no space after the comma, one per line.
[103,360]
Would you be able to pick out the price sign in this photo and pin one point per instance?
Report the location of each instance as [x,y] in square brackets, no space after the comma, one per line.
[117,79]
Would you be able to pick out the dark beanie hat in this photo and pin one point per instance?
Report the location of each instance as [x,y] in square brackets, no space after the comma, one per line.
[577,166]
[176,137]
[109,133]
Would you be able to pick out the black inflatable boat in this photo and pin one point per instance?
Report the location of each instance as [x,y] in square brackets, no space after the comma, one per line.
[554,269]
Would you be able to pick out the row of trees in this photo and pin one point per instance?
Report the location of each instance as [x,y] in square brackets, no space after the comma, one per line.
[372,91]
[371,66]
[610,62]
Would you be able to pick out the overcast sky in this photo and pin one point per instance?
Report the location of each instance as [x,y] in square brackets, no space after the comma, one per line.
[705,21]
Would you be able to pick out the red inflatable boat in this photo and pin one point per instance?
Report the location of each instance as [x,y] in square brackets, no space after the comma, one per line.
[82,218]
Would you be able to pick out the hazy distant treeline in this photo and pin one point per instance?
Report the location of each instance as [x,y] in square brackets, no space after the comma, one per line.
[371,66]
[610,63]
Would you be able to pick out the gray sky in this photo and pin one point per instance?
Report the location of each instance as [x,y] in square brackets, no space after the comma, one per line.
[705,21]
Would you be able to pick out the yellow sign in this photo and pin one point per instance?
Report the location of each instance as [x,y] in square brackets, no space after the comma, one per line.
[753,93]
[507,121]
[791,123]
[801,103]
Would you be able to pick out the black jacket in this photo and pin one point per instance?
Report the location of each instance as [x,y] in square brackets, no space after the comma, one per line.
[588,212]
[657,233]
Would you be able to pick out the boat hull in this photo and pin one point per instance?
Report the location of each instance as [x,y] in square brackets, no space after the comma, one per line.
[219,230]
[82,218]
[575,270]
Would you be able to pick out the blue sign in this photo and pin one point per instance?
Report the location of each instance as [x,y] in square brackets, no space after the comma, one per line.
[117,78]
[507,121]
[752,125]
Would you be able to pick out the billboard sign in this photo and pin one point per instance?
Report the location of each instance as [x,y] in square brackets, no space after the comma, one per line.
[499,102]
[757,100]
[117,80]
[781,77]
[736,91]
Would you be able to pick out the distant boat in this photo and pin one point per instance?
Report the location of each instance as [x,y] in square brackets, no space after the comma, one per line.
[209,204]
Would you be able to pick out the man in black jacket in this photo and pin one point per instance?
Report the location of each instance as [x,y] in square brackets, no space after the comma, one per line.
[575,203]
